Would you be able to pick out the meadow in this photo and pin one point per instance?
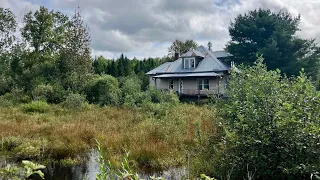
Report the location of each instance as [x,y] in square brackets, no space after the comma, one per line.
[156,140]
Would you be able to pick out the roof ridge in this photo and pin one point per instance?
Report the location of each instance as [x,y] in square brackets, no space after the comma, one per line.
[214,58]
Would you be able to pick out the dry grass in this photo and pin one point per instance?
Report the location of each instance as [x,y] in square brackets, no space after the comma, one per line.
[154,142]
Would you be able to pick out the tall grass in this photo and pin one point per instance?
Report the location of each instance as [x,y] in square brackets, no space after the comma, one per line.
[155,141]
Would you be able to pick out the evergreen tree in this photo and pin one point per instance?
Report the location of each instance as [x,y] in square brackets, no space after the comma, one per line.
[272,35]
[120,66]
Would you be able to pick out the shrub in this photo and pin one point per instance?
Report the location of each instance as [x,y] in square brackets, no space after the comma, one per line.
[131,90]
[103,90]
[36,106]
[31,148]
[74,101]
[50,93]
[6,83]
[5,101]
[42,92]
[10,142]
[157,96]
[272,127]
[16,96]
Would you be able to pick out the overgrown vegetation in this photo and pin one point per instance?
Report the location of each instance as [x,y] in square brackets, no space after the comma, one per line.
[55,100]
[30,171]
[157,137]
[270,128]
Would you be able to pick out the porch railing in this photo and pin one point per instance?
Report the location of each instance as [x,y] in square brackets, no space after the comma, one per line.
[196,92]
[220,90]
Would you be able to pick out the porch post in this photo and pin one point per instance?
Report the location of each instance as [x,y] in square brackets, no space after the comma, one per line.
[179,86]
[218,86]
[198,90]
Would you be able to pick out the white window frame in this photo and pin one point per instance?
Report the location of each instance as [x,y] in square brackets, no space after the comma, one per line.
[170,84]
[202,84]
[188,63]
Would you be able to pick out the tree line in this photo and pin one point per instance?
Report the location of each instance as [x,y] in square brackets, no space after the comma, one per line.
[53,54]
[54,50]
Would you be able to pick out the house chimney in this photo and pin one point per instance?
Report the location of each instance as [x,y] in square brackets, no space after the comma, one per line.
[176,55]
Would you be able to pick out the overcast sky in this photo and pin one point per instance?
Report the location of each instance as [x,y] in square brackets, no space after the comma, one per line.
[145,28]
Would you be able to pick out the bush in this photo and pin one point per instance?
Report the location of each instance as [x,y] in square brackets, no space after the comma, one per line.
[103,90]
[157,96]
[74,101]
[11,142]
[6,84]
[31,148]
[36,106]
[271,125]
[130,90]
[42,92]
[16,96]
[50,93]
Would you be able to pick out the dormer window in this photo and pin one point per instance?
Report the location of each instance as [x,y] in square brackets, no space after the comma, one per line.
[189,63]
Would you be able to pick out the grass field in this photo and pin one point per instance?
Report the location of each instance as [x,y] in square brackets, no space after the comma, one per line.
[157,137]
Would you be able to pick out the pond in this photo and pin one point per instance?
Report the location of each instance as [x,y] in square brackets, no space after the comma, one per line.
[90,169]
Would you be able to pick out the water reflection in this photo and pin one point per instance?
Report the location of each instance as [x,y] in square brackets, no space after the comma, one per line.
[90,169]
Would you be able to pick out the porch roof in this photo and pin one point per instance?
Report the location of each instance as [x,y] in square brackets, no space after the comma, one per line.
[208,74]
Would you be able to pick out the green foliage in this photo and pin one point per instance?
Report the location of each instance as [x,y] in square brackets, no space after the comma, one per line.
[31,168]
[10,142]
[31,149]
[271,127]
[16,96]
[74,101]
[131,91]
[44,30]
[9,173]
[273,35]
[36,106]
[181,47]
[203,176]
[42,92]
[100,65]
[156,96]
[8,26]
[103,90]
[75,60]
[108,171]
[6,83]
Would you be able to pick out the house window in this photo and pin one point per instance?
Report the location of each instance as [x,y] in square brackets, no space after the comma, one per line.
[189,63]
[192,63]
[170,83]
[203,84]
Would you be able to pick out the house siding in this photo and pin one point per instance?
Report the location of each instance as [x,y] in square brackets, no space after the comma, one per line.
[190,85]
[164,84]
[152,82]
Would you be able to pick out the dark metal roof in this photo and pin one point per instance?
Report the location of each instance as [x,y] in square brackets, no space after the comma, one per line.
[209,74]
[209,63]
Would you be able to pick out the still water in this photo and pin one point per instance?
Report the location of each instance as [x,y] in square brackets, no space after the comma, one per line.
[90,169]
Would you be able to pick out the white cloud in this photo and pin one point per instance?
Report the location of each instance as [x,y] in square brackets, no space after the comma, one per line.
[145,28]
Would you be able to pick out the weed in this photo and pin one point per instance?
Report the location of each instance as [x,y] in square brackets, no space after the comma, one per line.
[36,106]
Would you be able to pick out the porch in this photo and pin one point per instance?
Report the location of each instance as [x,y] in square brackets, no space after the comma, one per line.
[192,86]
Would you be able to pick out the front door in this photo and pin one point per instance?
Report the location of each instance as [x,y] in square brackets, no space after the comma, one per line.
[180,86]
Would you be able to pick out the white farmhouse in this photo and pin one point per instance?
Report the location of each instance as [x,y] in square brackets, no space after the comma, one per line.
[198,72]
